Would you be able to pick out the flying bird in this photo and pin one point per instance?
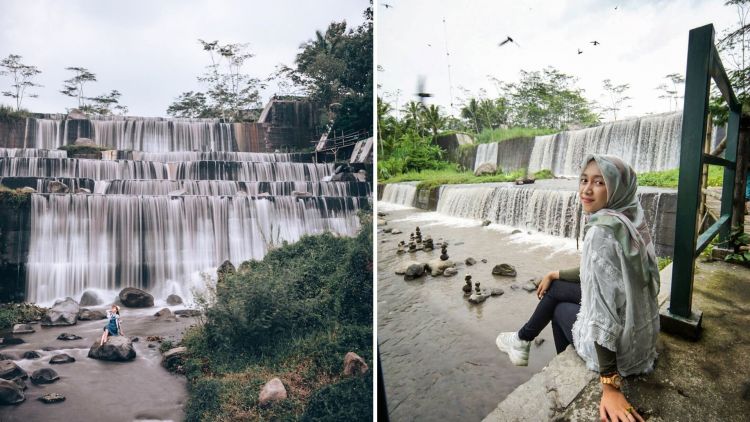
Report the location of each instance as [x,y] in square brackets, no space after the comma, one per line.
[429,45]
[421,92]
[579,51]
[616,7]
[595,42]
[386,5]
[506,41]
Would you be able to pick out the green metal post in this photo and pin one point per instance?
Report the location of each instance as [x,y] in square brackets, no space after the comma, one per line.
[695,113]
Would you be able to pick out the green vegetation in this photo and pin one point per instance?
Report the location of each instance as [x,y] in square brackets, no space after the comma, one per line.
[19,313]
[13,198]
[544,174]
[293,315]
[669,178]
[498,135]
[663,261]
[450,176]
[8,114]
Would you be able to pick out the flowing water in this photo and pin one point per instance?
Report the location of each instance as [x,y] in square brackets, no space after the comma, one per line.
[486,153]
[400,194]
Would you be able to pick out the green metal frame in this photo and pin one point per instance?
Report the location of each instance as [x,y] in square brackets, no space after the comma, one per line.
[703,64]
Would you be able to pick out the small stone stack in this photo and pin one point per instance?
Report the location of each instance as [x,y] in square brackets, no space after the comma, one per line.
[467,287]
[428,245]
[444,252]
[419,235]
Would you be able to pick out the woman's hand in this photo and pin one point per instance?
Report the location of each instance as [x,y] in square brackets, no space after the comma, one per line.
[615,406]
[547,280]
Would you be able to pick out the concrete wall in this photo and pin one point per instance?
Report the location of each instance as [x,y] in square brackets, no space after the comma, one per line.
[514,154]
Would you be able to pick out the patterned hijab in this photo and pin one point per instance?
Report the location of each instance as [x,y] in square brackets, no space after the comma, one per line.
[624,215]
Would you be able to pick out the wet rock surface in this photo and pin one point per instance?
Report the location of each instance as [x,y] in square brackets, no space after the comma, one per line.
[63,312]
[136,298]
[117,348]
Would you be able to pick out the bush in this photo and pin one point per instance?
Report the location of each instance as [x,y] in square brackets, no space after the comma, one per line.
[544,174]
[19,313]
[78,150]
[348,400]
[499,135]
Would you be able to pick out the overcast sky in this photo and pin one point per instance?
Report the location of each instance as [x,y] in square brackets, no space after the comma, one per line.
[148,50]
[641,42]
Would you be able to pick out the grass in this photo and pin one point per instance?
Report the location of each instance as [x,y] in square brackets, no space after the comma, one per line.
[670,178]
[9,114]
[499,135]
[429,179]
[663,261]
[18,313]
[13,198]
[292,316]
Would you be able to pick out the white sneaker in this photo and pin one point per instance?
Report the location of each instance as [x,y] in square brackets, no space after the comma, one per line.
[517,349]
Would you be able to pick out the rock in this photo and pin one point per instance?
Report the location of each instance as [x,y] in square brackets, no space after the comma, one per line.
[396,231]
[10,392]
[9,370]
[538,341]
[225,269]
[173,357]
[20,383]
[164,313]
[31,354]
[22,329]
[76,114]
[516,231]
[44,376]
[470,261]
[62,358]
[382,222]
[68,337]
[414,271]
[477,298]
[437,266]
[135,298]
[173,300]
[484,261]
[529,287]
[401,269]
[504,270]
[152,346]
[496,291]
[83,190]
[486,223]
[117,348]
[90,298]
[485,168]
[52,398]
[388,230]
[524,181]
[154,338]
[85,141]
[354,365]
[185,313]
[27,189]
[57,187]
[381,214]
[9,341]
[450,271]
[514,287]
[301,193]
[535,281]
[272,391]
[63,312]
[86,314]
[135,339]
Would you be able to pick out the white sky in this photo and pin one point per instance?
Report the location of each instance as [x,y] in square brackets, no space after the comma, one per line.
[148,50]
[641,42]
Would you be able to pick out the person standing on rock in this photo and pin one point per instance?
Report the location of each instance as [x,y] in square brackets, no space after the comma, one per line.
[113,325]
[607,308]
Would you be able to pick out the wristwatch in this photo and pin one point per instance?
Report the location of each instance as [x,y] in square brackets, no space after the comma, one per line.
[615,380]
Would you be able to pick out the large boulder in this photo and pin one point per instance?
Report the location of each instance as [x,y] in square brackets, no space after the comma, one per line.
[86,314]
[135,298]
[57,187]
[401,269]
[414,271]
[22,329]
[9,370]
[272,391]
[485,168]
[504,270]
[61,359]
[354,364]
[44,376]
[174,357]
[90,298]
[437,266]
[187,313]
[63,312]
[10,392]
[31,354]
[117,348]
[69,337]
[173,300]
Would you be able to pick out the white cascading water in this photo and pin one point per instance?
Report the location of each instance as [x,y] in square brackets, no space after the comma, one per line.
[111,241]
[486,153]
[249,171]
[229,187]
[32,153]
[213,156]
[400,194]
[649,143]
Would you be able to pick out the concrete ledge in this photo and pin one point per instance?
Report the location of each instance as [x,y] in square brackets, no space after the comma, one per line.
[547,393]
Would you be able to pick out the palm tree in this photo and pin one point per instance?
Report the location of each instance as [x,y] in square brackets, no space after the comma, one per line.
[433,119]
[413,112]
[471,112]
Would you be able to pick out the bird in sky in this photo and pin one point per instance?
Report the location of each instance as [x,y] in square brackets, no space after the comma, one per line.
[386,5]
[429,45]
[421,91]
[579,51]
[616,7]
[595,42]
[506,41]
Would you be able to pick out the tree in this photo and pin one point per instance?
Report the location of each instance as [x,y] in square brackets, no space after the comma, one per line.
[617,97]
[73,87]
[433,119]
[22,76]
[671,93]
[105,104]
[335,70]
[231,94]
[734,49]
[470,111]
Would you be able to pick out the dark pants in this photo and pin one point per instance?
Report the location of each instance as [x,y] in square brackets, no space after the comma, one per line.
[560,305]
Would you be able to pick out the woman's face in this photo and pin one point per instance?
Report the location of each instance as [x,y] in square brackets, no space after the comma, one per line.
[591,189]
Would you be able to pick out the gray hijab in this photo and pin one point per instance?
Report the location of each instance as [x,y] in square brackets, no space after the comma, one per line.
[624,215]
